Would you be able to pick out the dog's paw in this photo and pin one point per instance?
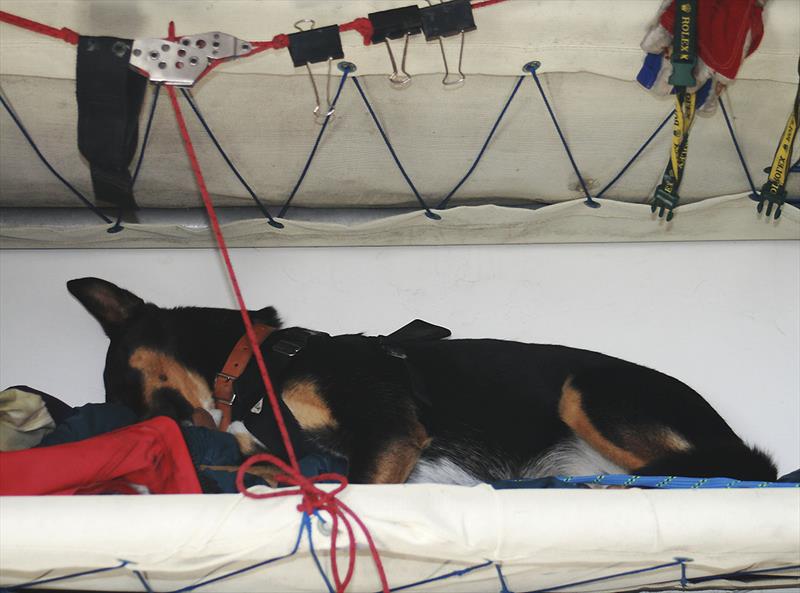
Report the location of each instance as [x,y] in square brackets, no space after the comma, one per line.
[248,444]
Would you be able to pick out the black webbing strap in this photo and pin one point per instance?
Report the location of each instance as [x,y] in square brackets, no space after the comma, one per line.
[773,192]
[110,97]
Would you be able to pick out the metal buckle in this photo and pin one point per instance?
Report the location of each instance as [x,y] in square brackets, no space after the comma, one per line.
[226,376]
[227,402]
[287,348]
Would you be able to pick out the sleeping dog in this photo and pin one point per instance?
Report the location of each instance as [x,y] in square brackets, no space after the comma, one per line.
[414,407]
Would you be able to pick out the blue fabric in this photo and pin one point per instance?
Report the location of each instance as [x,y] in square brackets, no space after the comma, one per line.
[650,68]
[89,421]
[206,446]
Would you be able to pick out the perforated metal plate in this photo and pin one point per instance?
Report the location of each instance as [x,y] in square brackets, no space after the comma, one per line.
[182,62]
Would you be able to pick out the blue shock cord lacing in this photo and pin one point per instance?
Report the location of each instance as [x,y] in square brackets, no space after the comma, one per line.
[754,195]
[532,67]
[443,203]
[47,164]
[190,99]
[428,213]
[676,562]
[744,573]
[447,575]
[118,223]
[305,525]
[503,585]
[635,156]
[75,575]
[346,69]
[146,137]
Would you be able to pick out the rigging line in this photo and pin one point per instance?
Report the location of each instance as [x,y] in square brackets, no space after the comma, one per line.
[753,189]
[146,137]
[532,67]
[47,164]
[345,71]
[428,213]
[635,156]
[190,99]
[443,203]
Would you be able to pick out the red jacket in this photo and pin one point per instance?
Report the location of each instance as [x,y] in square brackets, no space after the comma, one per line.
[151,454]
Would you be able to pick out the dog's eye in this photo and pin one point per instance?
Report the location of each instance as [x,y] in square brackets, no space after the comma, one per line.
[162,377]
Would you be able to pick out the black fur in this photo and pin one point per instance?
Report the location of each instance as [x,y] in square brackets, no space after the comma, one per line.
[494,405]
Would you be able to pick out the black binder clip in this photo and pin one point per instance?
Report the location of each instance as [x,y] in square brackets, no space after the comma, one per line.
[311,46]
[445,20]
[394,24]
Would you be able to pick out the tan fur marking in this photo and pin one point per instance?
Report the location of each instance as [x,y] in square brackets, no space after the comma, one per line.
[308,406]
[572,413]
[266,472]
[247,444]
[161,370]
[396,462]
[674,442]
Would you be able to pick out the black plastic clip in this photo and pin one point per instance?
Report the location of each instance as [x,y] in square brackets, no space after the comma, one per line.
[394,24]
[310,46]
[445,20]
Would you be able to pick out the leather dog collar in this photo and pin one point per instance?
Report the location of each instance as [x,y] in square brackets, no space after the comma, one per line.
[234,366]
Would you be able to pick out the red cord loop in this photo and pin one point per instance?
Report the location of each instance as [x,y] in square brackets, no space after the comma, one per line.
[361,25]
[64,34]
[315,499]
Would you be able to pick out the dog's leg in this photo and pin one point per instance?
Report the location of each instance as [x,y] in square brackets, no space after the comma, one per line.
[652,424]
[393,460]
[248,444]
[268,473]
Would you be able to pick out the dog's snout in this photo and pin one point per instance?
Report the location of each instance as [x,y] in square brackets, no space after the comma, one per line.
[166,401]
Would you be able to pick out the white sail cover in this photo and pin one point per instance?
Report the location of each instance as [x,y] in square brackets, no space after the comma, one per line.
[260,108]
[541,539]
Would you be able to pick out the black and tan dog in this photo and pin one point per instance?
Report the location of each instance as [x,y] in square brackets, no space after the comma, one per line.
[427,410]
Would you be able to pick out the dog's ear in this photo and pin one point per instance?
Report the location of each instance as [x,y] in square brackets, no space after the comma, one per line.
[111,305]
[267,315]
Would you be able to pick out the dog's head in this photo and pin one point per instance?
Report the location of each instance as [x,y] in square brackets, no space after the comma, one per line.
[161,361]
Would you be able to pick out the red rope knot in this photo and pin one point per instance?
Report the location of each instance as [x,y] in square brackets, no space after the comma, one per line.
[70,36]
[316,499]
[280,41]
[361,25]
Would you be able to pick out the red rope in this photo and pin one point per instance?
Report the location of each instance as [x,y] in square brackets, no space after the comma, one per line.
[313,497]
[361,25]
[485,3]
[63,34]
